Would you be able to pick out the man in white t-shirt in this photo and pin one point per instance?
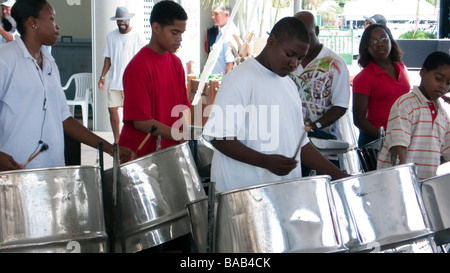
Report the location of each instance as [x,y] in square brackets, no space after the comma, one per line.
[121,46]
[256,123]
[324,85]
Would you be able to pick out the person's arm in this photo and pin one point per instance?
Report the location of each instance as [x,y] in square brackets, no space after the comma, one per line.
[229,67]
[360,104]
[7,163]
[78,132]
[167,132]
[277,164]
[446,98]
[5,34]
[330,117]
[312,158]
[400,153]
[106,67]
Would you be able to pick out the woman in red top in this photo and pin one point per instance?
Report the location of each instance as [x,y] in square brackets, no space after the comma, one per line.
[381,82]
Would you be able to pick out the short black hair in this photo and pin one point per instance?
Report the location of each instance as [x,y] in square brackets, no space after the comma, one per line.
[289,28]
[166,12]
[436,59]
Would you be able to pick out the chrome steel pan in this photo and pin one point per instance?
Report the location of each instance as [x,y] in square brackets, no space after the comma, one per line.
[55,210]
[435,194]
[152,195]
[290,216]
[380,208]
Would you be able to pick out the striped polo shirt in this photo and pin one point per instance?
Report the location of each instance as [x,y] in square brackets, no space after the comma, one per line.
[411,125]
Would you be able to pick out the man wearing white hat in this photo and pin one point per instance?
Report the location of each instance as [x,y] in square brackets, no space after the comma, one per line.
[121,46]
[6,36]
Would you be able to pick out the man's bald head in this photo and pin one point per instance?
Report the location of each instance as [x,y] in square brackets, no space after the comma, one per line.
[310,22]
[307,18]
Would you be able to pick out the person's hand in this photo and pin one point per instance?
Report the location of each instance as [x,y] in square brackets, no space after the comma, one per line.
[101,84]
[126,154]
[7,163]
[446,99]
[308,124]
[280,165]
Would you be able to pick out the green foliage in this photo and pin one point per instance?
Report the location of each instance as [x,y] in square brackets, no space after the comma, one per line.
[419,35]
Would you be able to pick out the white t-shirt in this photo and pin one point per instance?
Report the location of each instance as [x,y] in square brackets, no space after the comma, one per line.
[121,48]
[322,84]
[25,91]
[261,109]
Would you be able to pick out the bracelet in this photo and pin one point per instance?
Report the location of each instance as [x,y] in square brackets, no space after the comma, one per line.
[102,77]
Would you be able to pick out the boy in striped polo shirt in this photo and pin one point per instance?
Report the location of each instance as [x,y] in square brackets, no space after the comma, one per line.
[418,129]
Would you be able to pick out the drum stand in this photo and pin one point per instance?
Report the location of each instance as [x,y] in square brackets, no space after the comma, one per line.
[329,147]
[211,217]
[368,154]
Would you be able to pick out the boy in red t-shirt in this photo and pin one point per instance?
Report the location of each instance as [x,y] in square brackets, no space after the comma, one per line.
[154,84]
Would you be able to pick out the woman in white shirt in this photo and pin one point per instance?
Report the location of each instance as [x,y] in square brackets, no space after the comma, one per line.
[33,107]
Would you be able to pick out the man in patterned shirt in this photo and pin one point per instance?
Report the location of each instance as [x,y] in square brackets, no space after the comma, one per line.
[323,83]
[418,129]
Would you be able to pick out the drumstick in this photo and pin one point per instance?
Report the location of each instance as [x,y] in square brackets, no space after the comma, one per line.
[301,141]
[154,128]
[44,148]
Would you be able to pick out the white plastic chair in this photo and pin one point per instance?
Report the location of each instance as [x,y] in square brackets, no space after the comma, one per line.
[83,86]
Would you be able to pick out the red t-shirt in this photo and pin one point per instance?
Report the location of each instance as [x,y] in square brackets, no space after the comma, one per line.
[154,85]
[382,89]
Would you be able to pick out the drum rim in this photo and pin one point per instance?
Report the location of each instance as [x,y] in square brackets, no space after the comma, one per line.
[359,175]
[276,183]
[162,151]
[63,168]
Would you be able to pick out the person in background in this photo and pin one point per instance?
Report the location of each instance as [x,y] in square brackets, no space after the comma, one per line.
[323,83]
[375,19]
[221,18]
[33,110]
[262,91]
[155,85]
[380,83]
[121,46]
[418,130]
[6,36]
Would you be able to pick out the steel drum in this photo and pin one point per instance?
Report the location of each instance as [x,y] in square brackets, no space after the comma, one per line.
[291,216]
[198,212]
[435,194]
[57,210]
[380,209]
[152,193]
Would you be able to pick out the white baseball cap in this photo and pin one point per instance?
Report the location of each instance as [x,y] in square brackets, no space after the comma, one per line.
[8,3]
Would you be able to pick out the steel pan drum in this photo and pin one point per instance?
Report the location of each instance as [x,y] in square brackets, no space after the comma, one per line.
[435,194]
[291,216]
[152,194]
[380,208]
[198,215]
[57,210]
